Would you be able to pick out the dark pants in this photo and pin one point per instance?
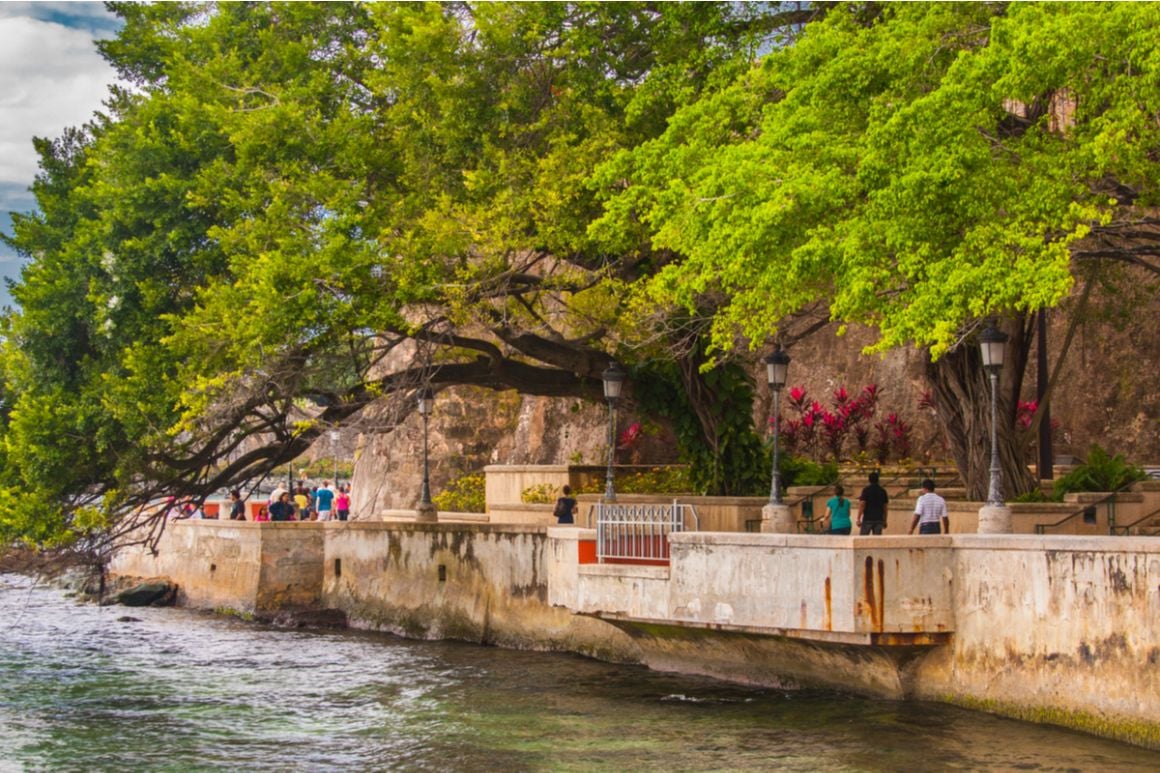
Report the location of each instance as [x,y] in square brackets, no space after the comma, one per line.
[929,528]
[871,527]
[843,530]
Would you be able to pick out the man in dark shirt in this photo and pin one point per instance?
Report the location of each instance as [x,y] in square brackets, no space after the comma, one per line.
[872,507]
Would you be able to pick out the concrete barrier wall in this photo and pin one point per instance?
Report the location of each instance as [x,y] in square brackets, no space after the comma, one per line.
[777,582]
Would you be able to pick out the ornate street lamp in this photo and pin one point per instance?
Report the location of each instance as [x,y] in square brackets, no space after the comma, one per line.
[613,377]
[426,403]
[334,452]
[776,370]
[993,343]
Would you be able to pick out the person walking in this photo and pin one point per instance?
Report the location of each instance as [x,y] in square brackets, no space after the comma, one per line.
[324,501]
[838,512]
[565,507]
[930,510]
[873,504]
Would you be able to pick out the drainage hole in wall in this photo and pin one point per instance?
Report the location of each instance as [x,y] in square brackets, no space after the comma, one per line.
[213,567]
[338,567]
[442,573]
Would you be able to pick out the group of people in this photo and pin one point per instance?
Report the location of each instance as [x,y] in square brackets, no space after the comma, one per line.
[316,503]
[930,510]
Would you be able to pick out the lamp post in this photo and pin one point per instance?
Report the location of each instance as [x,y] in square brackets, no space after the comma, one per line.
[776,369]
[994,516]
[776,517]
[613,377]
[334,451]
[426,510]
[993,343]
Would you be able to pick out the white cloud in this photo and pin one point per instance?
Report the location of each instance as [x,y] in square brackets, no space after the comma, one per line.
[51,77]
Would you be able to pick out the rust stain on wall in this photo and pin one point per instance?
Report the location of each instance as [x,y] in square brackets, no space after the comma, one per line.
[880,619]
[829,624]
[868,590]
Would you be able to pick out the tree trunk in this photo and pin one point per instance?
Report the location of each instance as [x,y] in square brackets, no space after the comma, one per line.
[963,405]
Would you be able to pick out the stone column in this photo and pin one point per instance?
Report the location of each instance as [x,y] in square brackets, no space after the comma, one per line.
[994,519]
[777,519]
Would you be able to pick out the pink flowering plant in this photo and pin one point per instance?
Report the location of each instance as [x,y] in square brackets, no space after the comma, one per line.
[846,428]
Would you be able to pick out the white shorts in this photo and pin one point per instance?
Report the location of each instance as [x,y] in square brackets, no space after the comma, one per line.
[324,515]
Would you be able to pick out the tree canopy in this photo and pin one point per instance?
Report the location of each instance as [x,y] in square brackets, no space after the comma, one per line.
[299,210]
[911,167]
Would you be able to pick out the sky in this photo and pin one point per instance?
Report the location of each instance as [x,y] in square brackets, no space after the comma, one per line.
[51,77]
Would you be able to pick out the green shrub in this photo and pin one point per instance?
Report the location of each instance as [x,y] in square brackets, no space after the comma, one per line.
[1034,495]
[463,495]
[798,471]
[1098,472]
[658,480]
[540,494]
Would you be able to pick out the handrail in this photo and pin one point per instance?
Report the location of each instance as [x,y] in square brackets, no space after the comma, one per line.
[1041,528]
[1126,529]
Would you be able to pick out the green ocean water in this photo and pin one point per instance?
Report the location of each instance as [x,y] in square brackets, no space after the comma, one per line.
[178,690]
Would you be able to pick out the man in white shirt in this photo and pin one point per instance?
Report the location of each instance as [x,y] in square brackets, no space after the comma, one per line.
[930,510]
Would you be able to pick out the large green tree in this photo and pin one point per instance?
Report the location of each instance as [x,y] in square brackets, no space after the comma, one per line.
[912,167]
[301,209]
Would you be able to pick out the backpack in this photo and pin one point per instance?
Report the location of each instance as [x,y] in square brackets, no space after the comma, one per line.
[561,510]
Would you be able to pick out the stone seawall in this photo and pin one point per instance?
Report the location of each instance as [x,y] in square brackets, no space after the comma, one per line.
[481,583]
[1064,630]
[242,566]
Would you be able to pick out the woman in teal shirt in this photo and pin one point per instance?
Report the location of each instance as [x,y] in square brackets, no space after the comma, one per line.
[838,511]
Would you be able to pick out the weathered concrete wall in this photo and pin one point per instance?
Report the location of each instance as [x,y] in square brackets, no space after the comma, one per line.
[479,583]
[1057,629]
[772,609]
[214,565]
[243,566]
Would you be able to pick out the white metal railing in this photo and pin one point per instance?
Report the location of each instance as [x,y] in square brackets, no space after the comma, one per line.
[640,532]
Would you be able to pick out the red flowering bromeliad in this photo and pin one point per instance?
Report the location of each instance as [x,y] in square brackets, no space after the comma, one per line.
[630,437]
[819,429]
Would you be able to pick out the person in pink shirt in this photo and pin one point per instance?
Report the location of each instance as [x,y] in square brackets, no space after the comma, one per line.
[342,503]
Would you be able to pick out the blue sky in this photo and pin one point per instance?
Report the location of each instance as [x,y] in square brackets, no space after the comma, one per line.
[51,77]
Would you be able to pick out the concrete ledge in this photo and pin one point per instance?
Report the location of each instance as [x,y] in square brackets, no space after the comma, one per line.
[819,541]
[1062,542]
[625,570]
[920,639]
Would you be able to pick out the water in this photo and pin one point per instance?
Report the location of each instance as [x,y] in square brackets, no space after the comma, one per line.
[180,690]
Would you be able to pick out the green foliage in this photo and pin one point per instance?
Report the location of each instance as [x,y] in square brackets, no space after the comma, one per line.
[288,186]
[319,469]
[1034,495]
[715,437]
[466,494]
[799,471]
[1099,471]
[658,480]
[292,189]
[922,180]
[540,494]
